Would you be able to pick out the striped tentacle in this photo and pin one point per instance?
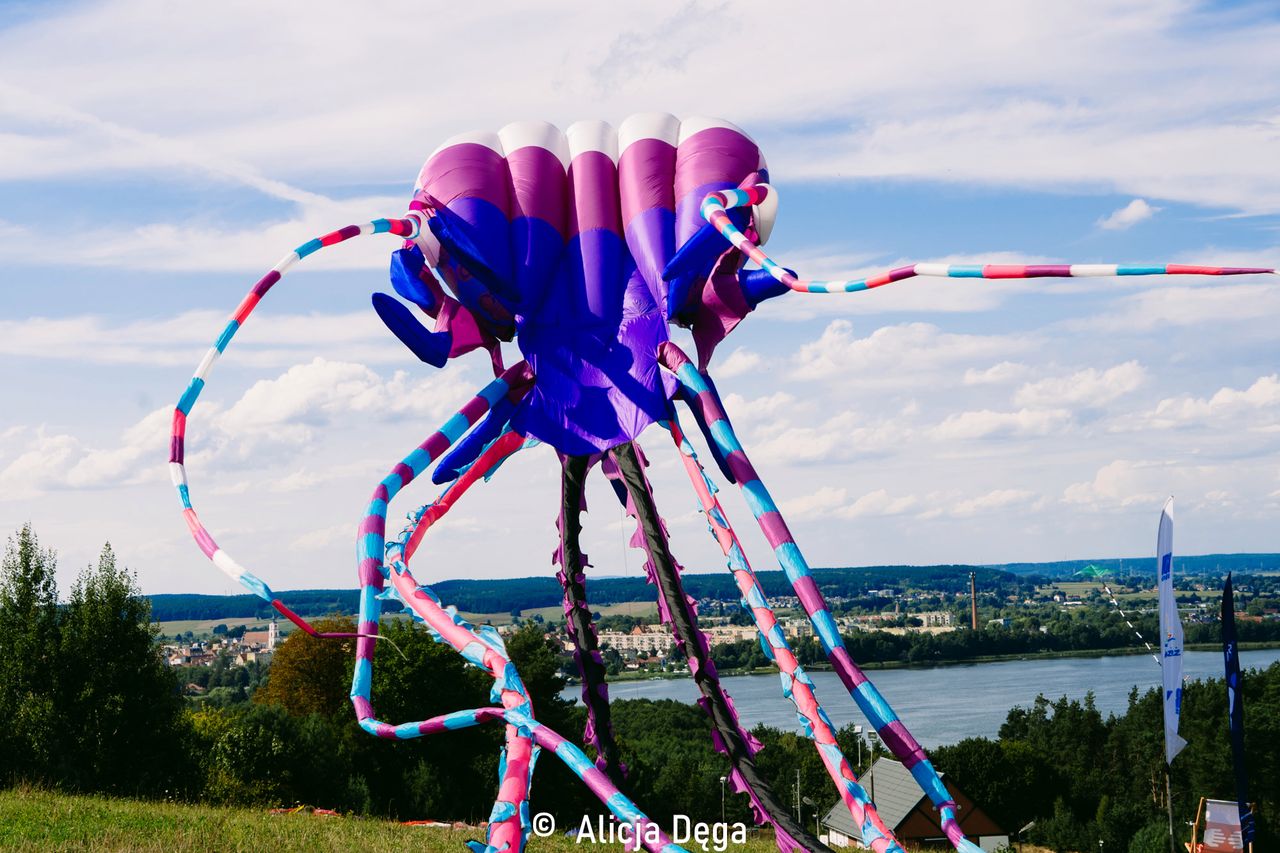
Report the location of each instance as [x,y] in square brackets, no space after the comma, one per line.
[371,536]
[706,406]
[715,206]
[796,684]
[408,228]
[509,820]
[483,647]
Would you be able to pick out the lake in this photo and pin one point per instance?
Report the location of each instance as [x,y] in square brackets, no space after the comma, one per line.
[941,705]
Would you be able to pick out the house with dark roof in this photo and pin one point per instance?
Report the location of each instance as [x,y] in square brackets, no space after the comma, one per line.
[908,812]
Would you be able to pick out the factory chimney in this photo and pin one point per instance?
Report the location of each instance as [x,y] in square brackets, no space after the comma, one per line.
[973,600]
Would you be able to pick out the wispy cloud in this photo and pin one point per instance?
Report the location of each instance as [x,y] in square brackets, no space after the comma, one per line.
[1128,216]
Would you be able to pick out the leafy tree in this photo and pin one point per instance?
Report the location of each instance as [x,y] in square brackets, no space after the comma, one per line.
[118,699]
[310,675]
[28,658]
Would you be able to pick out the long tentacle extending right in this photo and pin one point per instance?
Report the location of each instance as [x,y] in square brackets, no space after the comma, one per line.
[678,611]
[715,209]
[578,625]
[796,684]
[706,406]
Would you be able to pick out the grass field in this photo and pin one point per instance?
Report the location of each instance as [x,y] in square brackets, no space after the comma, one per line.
[204,627]
[40,820]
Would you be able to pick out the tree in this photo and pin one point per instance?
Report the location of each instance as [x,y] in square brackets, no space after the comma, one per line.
[28,654]
[119,699]
[311,675]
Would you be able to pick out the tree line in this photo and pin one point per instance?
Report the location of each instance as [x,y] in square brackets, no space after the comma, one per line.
[506,595]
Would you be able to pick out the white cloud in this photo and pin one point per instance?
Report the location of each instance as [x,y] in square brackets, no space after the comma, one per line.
[821,503]
[900,353]
[83,100]
[997,499]
[1089,387]
[878,503]
[267,340]
[1122,483]
[1207,304]
[739,362]
[844,436]
[284,413]
[935,113]
[987,424]
[1128,216]
[314,394]
[997,374]
[829,502]
[1229,403]
[64,461]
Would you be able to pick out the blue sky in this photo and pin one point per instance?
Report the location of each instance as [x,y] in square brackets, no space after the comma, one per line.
[154,160]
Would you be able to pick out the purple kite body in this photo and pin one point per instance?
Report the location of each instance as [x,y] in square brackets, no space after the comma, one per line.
[583,247]
[574,230]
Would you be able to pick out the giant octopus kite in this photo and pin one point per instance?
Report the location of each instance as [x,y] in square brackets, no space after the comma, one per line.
[582,247]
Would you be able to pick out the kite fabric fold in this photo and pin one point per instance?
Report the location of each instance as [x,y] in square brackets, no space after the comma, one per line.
[580,250]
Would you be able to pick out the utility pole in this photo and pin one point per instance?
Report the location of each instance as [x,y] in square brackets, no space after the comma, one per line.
[1168,799]
[973,600]
[799,819]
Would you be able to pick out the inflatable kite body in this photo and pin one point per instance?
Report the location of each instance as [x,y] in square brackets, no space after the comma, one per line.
[584,248]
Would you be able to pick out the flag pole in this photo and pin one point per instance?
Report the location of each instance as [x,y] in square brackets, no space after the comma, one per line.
[1170,655]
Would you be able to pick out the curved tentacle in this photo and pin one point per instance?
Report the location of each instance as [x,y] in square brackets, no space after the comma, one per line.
[508,822]
[578,626]
[716,205]
[895,735]
[680,613]
[796,684]
[483,647]
[408,227]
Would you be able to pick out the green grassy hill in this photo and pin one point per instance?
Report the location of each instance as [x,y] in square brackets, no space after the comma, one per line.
[41,820]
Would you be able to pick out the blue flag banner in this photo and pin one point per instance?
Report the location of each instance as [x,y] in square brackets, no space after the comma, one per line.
[1235,708]
[1170,635]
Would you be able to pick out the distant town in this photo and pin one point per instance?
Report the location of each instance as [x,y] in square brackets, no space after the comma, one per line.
[888,615]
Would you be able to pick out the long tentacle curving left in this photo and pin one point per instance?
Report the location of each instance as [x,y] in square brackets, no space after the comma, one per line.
[509,822]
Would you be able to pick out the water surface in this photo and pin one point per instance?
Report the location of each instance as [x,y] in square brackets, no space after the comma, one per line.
[944,704]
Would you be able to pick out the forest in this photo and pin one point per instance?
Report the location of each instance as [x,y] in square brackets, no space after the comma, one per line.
[506,595]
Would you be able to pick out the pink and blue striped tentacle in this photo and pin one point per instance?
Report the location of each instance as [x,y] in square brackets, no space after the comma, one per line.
[407,228]
[714,210]
[482,647]
[509,821]
[371,536]
[708,410]
[796,684]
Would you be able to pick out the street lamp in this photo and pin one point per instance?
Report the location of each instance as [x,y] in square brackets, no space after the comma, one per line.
[722,781]
[811,804]
[857,730]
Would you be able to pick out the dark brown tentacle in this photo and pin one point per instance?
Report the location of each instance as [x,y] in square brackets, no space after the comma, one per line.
[578,626]
[680,613]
